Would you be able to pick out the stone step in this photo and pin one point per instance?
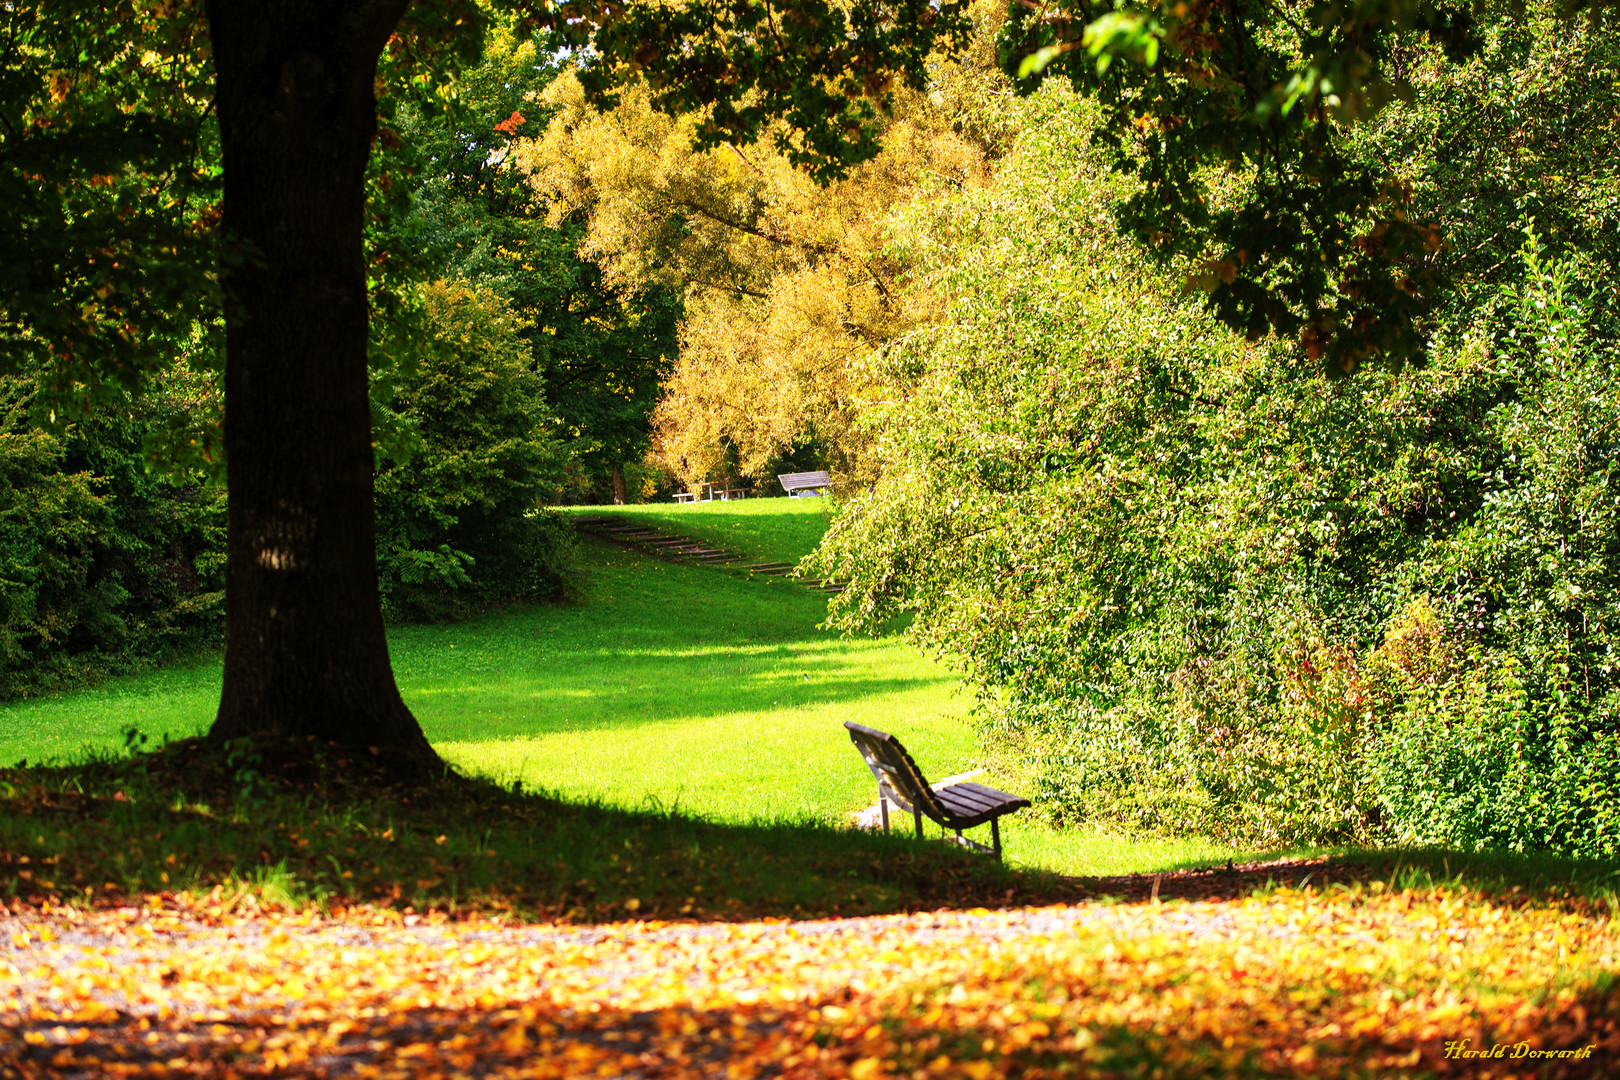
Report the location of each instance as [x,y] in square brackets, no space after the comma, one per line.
[694,551]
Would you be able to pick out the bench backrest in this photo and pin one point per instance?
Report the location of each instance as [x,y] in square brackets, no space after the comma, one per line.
[792,480]
[895,770]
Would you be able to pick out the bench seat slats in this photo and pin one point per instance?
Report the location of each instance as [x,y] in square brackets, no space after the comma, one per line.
[970,808]
[955,806]
[794,483]
[976,798]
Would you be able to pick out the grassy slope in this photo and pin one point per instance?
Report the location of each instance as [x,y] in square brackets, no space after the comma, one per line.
[732,708]
[670,685]
[769,530]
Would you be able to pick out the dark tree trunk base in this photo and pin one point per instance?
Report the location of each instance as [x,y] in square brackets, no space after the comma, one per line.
[338,773]
[305,651]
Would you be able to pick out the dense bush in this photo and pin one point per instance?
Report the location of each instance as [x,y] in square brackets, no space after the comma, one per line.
[106,565]
[1200,586]
[102,565]
[460,522]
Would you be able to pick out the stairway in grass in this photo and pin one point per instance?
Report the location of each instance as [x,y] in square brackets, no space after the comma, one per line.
[680,549]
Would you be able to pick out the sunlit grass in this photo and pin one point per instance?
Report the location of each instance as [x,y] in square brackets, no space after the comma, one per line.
[178,701]
[1098,853]
[767,530]
[668,685]
[679,685]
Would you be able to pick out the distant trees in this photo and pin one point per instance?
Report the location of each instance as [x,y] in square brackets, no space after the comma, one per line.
[598,347]
[790,284]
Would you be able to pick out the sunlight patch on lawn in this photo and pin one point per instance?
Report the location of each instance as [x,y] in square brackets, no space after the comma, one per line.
[1100,853]
[794,761]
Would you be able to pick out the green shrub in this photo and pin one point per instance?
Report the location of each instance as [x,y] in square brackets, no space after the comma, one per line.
[1199,586]
[460,523]
[103,566]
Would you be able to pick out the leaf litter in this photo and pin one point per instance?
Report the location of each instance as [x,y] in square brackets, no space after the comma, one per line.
[1348,980]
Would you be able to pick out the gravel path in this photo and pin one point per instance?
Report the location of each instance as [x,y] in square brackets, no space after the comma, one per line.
[172,991]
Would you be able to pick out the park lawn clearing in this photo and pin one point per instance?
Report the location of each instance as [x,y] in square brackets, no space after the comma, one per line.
[680,686]
[670,685]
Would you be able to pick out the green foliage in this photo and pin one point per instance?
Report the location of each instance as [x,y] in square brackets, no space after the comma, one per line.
[1243,126]
[460,524]
[1524,129]
[1524,754]
[474,216]
[1199,587]
[49,520]
[827,71]
[109,190]
[102,566]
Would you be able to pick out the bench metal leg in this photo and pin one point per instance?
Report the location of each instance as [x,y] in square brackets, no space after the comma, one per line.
[917,813]
[883,806]
[995,837]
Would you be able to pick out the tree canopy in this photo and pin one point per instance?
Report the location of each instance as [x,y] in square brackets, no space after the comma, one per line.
[211,201]
[789,284]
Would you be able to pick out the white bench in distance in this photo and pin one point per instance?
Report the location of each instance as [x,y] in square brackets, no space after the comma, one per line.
[801,484]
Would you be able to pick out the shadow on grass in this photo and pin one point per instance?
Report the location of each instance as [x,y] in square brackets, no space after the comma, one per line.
[322,824]
[326,825]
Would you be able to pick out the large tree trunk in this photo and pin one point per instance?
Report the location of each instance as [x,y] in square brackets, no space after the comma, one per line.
[305,652]
[621,494]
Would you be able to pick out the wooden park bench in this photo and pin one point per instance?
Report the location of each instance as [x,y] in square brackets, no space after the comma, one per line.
[799,484]
[952,806]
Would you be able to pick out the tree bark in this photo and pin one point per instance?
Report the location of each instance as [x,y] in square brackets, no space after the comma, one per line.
[620,494]
[305,651]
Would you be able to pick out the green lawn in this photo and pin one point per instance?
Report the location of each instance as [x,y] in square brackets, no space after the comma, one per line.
[769,530]
[669,685]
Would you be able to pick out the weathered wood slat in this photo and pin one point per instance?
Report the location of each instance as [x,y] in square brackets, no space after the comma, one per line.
[953,806]
[798,484]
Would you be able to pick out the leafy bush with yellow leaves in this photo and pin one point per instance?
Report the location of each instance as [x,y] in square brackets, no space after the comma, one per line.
[1199,586]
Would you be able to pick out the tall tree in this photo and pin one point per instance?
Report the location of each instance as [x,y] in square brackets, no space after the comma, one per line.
[295,96]
[305,651]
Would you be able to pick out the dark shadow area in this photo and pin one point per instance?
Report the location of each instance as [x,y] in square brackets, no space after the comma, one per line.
[318,823]
[309,822]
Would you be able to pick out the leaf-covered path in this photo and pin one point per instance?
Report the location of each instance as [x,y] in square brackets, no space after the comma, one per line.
[1350,980]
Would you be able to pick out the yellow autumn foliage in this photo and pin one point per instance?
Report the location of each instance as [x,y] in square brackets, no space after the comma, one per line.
[790,287]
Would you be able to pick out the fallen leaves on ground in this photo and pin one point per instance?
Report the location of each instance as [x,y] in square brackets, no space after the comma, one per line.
[1349,980]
